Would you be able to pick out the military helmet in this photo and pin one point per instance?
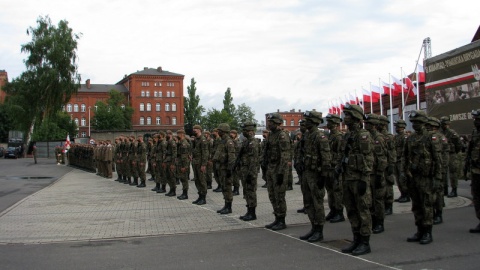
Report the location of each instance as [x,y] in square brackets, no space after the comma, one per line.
[433,121]
[274,117]
[445,120]
[372,119]
[355,110]
[383,119]
[224,127]
[301,122]
[418,116]
[315,117]
[335,118]
[476,114]
[400,123]
[250,126]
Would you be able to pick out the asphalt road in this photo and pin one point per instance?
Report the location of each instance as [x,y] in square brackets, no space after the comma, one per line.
[256,248]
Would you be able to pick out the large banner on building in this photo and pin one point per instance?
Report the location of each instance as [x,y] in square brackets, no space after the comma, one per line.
[452,86]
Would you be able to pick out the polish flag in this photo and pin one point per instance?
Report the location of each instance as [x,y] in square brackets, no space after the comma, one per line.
[421,74]
[397,86]
[367,96]
[386,88]
[376,91]
[410,87]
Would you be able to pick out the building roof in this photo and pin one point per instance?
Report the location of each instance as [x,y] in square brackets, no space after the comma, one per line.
[102,88]
[151,72]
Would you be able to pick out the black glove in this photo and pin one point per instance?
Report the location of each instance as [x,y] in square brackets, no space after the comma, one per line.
[390,170]
[229,173]
[320,183]
[362,187]
[279,179]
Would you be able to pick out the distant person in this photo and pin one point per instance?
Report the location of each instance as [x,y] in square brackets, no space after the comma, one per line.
[472,162]
[34,152]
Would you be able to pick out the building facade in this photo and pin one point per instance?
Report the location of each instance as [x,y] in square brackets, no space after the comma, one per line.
[290,119]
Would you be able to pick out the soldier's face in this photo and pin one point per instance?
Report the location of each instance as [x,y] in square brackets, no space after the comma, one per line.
[417,125]
[399,129]
[348,118]
[271,125]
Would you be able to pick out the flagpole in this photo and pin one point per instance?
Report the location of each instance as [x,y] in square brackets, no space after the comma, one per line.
[391,104]
[381,101]
[403,97]
[371,98]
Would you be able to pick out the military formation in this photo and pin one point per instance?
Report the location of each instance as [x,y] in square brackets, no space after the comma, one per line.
[356,168]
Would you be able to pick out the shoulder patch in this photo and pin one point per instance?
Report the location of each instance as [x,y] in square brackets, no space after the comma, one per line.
[434,138]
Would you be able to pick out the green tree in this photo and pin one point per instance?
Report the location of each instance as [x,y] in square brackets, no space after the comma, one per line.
[244,113]
[228,105]
[193,111]
[54,128]
[6,123]
[215,117]
[113,114]
[52,75]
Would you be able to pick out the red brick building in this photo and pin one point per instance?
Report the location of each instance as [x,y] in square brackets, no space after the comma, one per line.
[156,96]
[291,119]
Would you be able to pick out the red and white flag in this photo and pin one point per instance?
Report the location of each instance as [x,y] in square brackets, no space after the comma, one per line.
[421,73]
[376,91]
[386,88]
[367,96]
[397,85]
[410,87]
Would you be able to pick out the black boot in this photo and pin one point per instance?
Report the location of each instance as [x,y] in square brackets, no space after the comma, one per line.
[157,187]
[246,214]
[171,193]
[202,200]
[427,236]
[338,217]
[363,247]
[309,234]
[476,229]
[417,236]
[280,224]
[437,218]
[177,181]
[218,189]
[209,185]
[223,208]
[317,235]
[290,187]
[123,178]
[251,215]
[184,195]
[264,185]
[353,245]
[162,189]
[197,200]
[142,184]
[330,214]
[135,181]
[118,177]
[151,178]
[404,199]
[235,191]
[453,193]
[227,209]
[445,190]
[269,226]
[301,210]
[128,181]
[378,227]
[388,209]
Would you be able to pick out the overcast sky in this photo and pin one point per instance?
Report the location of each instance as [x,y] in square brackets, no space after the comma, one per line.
[273,54]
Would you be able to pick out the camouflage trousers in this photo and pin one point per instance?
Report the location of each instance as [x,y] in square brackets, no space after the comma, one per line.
[314,189]
[389,182]
[249,184]
[170,175]
[160,174]
[402,185]
[475,188]
[236,176]
[227,185]
[276,187]
[134,168]
[358,205]
[209,174]
[453,168]
[183,177]
[290,176]
[151,169]
[422,195]
[119,167]
[140,168]
[438,200]
[379,187]
[200,179]
[334,192]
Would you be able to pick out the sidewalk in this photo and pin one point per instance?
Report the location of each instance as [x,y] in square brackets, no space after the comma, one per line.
[82,206]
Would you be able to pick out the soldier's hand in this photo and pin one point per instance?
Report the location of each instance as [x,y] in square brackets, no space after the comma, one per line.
[203,169]
[172,167]
[183,169]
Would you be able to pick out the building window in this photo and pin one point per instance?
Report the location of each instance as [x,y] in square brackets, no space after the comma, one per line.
[167,107]
[147,93]
[174,107]
[292,122]
[142,107]
[142,120]
[75,107]
[173,94]
[145,84]
[299,122]
[142,93]
[83,108]
[171,84]
[83,122]
[284,122]
[155,94]
[122,106]
[76,121]
[149,120]
[168,93]
[174,120]
[63,108]
[158,121]
[160,93]
[69,107]
[157,107]
[149,107]
[84,134]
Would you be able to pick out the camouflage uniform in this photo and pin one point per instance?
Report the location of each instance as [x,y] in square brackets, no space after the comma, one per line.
[160,179]
[317,159]
[209,174]
[276,159]
[199,164]
[356,164]
[225,157]
[391,155]
[170,161]
[472,164]
[377,176]
[298,160]
[108,159]
[400,139]
[184,149]
[248,159]
[141,161]
[263,143]
[125,161]
[236,172]
[216,141]
[422,168]
[453,164]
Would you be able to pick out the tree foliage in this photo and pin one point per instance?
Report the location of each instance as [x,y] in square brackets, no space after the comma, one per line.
[113,114]
[215,117]
[193,111]
[6,123]
[244,113]
[54,128]
[228,105]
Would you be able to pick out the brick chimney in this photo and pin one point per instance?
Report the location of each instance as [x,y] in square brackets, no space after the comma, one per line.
[145,68]
[159,69]
[88,84]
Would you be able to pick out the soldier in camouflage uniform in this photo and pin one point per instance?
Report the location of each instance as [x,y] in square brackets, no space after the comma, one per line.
[317,159]
[382,127]
[160,174]
[132,156]
[108,159]
[209,174]
[169,164]
[423,171]
[400,139]
[151,158]
[183,162]
[276,159]
[355,165]
[248,159]
[118,158]
[455,147]
[265,134]
[216,141]
[334,185]
[433,126]
[472,164]
[141,161]
[125,161]
[199,163]
[298,159]
[377,176]
[225,156]
[236,173]
[156,166]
